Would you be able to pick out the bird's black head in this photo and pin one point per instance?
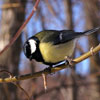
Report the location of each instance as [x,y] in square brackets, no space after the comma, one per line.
[30,47]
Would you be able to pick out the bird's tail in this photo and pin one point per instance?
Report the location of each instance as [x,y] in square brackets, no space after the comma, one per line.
[91,31]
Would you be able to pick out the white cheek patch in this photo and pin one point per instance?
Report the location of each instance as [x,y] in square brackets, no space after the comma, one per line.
[32,45]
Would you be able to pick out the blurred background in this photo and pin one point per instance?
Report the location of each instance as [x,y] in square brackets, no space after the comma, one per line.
[80,83]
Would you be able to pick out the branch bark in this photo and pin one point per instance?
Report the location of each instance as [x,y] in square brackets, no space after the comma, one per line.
[53,69]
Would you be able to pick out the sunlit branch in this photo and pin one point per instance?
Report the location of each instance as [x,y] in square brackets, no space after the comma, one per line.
[10,5]
[53,69]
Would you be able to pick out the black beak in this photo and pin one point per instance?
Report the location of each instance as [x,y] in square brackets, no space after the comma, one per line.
[30,58]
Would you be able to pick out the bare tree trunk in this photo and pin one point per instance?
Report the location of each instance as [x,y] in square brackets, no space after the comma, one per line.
[92,20]
[69,92]
[91,9]
[68,11]
[12,18]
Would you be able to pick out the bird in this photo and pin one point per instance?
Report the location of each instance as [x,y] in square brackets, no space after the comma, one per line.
[50,47]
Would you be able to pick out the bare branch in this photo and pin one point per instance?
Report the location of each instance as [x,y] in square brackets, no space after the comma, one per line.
[44,81]
[28,98]
[21,28]
[48,71]
[10,5]
[11,76]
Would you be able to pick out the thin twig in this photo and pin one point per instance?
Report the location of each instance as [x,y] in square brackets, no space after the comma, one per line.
[21,28]
[44,81]
[11,76]
[28,98]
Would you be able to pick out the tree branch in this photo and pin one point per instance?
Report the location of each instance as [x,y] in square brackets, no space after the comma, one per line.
[10,5]
[21,28]
[48,71]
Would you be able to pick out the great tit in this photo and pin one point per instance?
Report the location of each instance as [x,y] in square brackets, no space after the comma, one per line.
[51,46]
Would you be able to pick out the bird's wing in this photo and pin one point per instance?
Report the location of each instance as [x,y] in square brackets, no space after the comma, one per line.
[58,37]
[55,46]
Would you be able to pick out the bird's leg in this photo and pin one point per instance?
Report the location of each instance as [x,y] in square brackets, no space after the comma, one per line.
[49,68]
[69,61]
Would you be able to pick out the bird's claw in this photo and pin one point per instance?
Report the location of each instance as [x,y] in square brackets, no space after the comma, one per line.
[48,69]
[69,61]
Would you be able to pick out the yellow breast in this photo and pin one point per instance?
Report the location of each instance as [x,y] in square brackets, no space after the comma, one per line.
[56,53]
